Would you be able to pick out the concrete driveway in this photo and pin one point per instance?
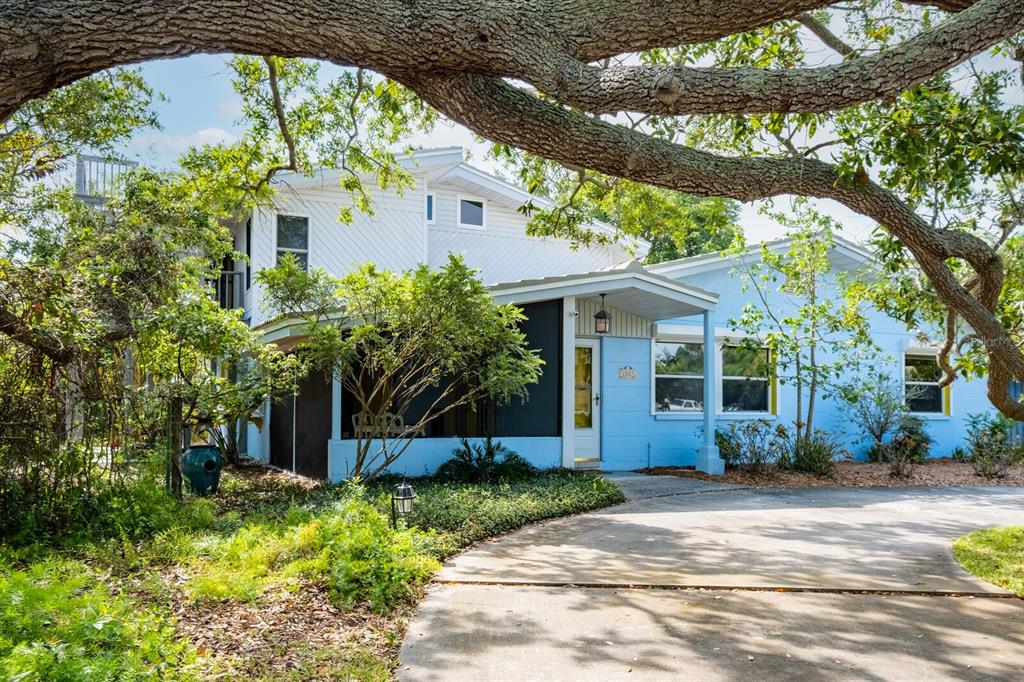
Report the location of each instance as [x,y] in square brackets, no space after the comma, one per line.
[710,582]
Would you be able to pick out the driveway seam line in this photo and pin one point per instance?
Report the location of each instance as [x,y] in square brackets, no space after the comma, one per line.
[732,588]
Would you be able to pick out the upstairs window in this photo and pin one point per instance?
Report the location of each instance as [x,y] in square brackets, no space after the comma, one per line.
[678,377]
[293,238]
[428,206]
[248,253]
[746,384]
[472,213]
[921,390]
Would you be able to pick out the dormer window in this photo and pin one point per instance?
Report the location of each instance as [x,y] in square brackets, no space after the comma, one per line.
[429,201]
[472,213]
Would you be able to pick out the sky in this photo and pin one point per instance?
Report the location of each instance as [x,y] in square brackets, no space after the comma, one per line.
[201,107]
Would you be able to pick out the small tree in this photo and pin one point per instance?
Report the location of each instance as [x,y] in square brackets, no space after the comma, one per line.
[825,335]
[408,347]
[878,405]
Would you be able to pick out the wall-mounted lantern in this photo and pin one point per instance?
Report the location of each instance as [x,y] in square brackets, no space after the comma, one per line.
[602,320]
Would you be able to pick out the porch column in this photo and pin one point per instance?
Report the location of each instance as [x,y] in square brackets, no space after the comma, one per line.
[335,408]
[569,381]
[710,460]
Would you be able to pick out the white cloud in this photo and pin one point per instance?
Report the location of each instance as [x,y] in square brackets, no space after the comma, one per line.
[163,149]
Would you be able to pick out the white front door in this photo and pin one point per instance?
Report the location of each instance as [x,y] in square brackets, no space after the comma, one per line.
[587,402]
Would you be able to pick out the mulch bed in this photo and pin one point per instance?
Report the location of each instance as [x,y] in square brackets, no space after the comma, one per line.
[936,472]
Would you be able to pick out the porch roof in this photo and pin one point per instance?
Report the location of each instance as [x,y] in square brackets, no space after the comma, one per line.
[628,286]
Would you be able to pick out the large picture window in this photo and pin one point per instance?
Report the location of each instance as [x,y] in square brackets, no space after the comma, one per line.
[293,238]
[678,377]
[921,390]
[746,383]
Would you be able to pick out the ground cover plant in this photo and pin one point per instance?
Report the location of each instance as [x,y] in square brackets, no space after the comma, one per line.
[311,574]
[995,555]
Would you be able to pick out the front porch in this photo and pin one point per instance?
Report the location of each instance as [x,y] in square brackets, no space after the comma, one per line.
[594,407]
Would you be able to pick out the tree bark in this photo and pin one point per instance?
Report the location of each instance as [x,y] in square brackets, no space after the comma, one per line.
[175,429]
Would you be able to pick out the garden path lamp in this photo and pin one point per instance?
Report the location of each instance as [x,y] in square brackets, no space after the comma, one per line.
[602,320]
[401,502]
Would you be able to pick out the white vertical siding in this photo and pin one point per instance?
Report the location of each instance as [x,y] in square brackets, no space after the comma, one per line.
[623,323]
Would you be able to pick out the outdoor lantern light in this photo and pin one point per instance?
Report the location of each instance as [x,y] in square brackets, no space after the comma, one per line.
[602,320]
[401,502]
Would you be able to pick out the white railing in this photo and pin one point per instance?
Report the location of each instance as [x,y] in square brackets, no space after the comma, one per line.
[95,176]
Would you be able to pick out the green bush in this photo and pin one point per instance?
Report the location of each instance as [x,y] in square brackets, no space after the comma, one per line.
[351,546]
[908,448]
[59,622]
[487,462]
[463,514]
[991,451]
[756,445]
[815,454]
[369,561]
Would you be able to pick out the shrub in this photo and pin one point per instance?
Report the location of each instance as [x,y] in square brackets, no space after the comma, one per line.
[815,454]
[351,544]
[369,561]
[960,455]
[908,449]
[487,462]
[878,406]
[756,445]
[59,622]
[461,514]
[991,451]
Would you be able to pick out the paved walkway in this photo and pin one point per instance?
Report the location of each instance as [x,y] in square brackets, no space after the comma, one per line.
[709,582]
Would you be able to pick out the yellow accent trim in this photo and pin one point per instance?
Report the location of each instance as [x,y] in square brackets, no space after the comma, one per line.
[947,394]
[773,396]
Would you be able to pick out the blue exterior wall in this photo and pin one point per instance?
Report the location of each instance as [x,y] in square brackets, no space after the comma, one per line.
[633,437]
[424,455]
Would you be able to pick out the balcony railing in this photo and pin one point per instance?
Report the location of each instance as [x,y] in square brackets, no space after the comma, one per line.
[96,177]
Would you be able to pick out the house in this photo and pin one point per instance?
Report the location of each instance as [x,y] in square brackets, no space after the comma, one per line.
[604,401]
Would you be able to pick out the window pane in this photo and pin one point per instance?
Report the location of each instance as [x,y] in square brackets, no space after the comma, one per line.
[744,362]
[678,395]
[921,368]
[430,207]
[302,258]
[679,358]
[292,232]
[744,395]
[471,212]
[584,387]
[924,398]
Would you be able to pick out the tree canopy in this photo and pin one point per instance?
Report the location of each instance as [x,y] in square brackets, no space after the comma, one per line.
[881,106]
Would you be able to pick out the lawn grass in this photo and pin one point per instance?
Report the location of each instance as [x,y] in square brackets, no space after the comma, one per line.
[276,577]
[995,555]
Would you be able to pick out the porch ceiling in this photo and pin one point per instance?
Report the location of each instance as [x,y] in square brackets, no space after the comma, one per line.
[628,287]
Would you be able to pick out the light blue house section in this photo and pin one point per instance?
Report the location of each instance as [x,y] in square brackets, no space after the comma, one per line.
[425,455]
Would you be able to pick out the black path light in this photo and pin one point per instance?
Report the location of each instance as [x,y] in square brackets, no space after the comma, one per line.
[602,320]
[401,502]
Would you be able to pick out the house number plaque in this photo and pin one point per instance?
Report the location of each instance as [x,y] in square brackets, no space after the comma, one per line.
[627,373]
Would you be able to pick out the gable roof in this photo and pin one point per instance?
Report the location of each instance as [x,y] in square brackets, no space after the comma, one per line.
[628,286]
[844,255]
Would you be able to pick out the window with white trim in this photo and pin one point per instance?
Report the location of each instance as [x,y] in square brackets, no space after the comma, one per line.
[472,213]
[429,205]
[293,238]
[746,381]
[921,390]
[678,377]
